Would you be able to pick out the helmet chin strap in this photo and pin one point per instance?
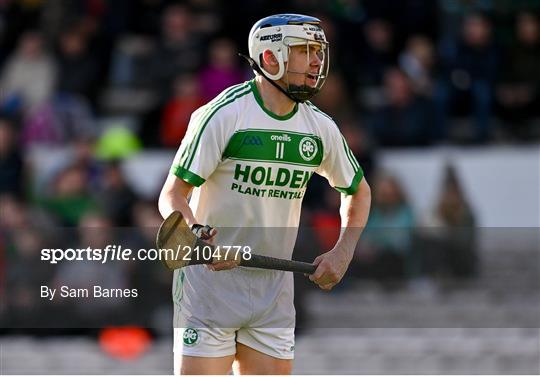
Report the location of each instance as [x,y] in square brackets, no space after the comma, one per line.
[299,93]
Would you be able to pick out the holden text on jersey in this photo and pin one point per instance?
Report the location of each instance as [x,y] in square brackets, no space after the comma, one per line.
[270,176]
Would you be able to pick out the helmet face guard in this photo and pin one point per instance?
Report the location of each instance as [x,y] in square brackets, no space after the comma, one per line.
[280,34]
[313,80]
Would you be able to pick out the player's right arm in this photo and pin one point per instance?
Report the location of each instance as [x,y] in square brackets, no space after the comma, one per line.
[196,159]
[174,197]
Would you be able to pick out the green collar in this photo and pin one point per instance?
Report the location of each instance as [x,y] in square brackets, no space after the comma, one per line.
[259,100]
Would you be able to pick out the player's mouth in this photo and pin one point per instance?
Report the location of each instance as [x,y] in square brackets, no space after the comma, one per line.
[311,79]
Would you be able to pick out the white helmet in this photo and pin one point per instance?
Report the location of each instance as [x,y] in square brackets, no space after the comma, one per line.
[278,33]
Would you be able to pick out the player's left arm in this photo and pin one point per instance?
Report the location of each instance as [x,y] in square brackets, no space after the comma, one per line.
[354,211]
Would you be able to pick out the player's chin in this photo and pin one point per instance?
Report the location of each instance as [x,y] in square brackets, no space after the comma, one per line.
[311,80]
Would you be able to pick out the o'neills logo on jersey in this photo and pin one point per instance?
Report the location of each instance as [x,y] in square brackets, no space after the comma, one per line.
[283,137]
[307,148]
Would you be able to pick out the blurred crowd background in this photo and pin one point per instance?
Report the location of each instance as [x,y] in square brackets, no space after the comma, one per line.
[89,86]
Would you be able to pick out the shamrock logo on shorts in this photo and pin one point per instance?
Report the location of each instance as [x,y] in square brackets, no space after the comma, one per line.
[191,337]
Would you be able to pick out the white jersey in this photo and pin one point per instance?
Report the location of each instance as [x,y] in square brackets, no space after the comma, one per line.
[251,167]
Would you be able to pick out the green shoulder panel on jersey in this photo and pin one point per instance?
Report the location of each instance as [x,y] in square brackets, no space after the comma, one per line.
[207,112]
[187,176]
[358,172]
[226,101]
[275,146]
[348,151]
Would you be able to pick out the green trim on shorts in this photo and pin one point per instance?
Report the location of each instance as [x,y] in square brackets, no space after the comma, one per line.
[178,289]
[187,176]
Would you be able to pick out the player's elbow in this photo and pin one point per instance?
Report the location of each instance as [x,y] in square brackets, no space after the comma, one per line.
[364,191]
[163,203]
[165,198]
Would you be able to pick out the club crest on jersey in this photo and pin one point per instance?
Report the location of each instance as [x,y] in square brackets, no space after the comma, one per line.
[307,148]
[191,337]
[252,140]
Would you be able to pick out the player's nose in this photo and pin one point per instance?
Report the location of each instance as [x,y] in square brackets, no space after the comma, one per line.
[315,60]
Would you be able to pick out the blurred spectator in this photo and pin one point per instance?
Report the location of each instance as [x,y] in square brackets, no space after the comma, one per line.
[385,249]
[179,48]
[131,61]
[73,117]
[77,65]
[14,212]
[326,221]
[518,92]
[333,99]
[70,198]
[115,196]
[222,69]
[83,156]
[118,141]
[21,241]
[67,115]
[146,16]
[359,143]
[447,234]
[406,119]
[41,126]
[417,62]
[2,274]
[378,54]
[25,275]
[150,277]
[469,66]
[95,231]
[177,111]
[11,161]
[29,75]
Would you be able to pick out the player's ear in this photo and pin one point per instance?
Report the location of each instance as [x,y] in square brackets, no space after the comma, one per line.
[269,58]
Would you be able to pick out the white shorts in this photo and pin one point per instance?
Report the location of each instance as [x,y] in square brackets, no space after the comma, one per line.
[215,310]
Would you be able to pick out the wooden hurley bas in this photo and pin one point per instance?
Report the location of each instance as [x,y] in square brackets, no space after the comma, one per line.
[179,247]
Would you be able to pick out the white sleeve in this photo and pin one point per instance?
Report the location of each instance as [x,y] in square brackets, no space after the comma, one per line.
[339,166]
[202,147]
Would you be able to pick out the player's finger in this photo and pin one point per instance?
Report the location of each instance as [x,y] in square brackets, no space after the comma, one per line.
[317,260]
[224,265]
[319,272]
[322,281]
[327,287]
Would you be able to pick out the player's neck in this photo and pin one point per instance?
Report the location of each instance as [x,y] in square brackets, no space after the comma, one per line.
[274,100]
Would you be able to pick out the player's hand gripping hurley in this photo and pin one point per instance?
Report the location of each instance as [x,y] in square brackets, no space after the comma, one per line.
[175,234]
